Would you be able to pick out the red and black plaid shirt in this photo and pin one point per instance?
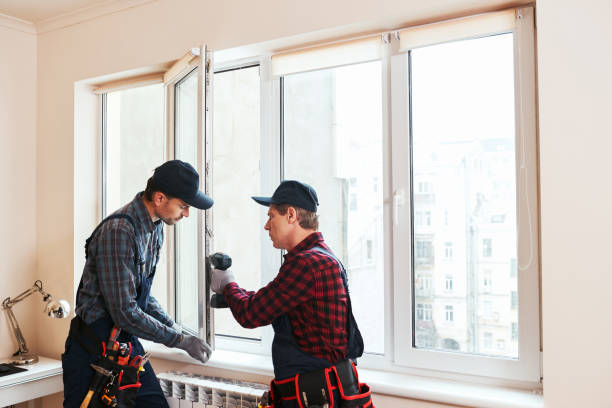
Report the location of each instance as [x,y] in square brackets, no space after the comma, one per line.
[309,289]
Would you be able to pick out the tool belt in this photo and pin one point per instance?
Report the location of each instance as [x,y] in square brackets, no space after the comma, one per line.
[315,389]
[115,382]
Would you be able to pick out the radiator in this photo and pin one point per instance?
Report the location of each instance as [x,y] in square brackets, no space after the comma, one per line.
[184,390]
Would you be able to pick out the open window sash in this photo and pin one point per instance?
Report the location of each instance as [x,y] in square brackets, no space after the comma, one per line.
[188,84]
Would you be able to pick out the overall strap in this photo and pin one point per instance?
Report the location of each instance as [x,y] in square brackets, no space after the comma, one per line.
[355,340]
[138,258]
[342,269]
[138,254]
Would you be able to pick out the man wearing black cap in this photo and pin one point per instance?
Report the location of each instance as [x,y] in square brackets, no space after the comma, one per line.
[307,303]
[121,256]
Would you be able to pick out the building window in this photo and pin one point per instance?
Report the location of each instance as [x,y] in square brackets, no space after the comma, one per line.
[498,218]
[448,250]
[487,281]
[487,247]
[449,313]
[514,300]
[424,251]
[424,312]
[448,284]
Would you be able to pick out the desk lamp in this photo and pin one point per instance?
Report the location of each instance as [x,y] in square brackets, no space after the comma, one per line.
[54,308]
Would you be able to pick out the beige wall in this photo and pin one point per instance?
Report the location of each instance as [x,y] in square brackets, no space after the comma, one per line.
[575,62]
[18,181]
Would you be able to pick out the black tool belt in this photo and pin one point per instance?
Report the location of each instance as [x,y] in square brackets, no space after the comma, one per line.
[114,383]
[315,389]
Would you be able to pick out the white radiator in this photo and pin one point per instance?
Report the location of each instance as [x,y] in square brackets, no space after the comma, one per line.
[195,391]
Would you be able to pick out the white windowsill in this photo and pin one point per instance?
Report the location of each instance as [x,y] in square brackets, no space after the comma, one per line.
[381,382]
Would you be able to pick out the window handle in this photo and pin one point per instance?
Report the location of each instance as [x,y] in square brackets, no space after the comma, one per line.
[398,200]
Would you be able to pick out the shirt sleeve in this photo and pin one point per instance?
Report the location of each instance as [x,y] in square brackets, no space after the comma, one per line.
[119,279]
[155,310]
[293,285]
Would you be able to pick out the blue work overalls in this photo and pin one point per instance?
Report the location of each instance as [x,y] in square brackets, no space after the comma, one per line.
[75,360]
[289,359]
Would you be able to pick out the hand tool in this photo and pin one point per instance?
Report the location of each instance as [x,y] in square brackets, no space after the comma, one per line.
[112,346]
[220,261]
[99,375]
[125,349]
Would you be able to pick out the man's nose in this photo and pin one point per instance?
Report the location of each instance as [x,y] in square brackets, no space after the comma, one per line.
[267,226]
[186,212]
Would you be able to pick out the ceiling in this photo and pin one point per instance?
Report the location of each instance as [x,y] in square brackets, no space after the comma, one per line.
[35,11]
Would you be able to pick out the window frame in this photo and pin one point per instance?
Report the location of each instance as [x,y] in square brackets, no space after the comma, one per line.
[270,114]
[204,235]
[200,59]
[399,354]
[503,371]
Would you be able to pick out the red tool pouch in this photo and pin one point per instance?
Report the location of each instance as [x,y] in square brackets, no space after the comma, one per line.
[123,388]
[352,392]
[316,388]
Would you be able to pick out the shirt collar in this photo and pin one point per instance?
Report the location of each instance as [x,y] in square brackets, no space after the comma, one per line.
[142,214]
[310,241]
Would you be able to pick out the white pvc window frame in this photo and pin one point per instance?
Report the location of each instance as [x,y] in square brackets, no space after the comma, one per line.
[400,355]
[525,369]
[271,259]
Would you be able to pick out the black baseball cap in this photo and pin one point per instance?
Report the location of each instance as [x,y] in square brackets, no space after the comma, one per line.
[179,179]
[292,192]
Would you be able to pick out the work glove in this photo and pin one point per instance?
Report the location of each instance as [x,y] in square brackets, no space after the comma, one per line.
[195,347]
[220,278]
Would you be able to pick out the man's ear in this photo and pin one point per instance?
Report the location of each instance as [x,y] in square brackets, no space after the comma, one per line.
[291,215]
[158,198]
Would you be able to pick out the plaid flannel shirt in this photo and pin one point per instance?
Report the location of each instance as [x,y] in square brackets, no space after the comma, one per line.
[111,278]
[310,290]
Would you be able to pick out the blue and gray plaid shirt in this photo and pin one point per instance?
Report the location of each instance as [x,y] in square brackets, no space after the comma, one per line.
[111,278]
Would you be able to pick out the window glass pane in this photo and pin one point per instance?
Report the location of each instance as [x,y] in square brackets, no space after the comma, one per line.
[464,175]
[135,145]
[236,153]
[333,141]
[186,231]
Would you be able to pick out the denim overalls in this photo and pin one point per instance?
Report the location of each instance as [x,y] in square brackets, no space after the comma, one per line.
[289,359]
[75,360]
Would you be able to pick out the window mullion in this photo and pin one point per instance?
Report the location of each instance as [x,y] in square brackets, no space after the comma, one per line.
[389,48]
[400,209]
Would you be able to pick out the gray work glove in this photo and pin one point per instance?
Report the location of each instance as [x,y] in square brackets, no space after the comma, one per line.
[220,278]
[195,347]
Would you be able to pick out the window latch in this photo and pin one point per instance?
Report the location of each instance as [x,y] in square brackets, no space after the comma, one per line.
[398,200]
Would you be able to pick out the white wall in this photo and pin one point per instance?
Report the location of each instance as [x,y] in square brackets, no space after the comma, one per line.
[575,62]
[18,179]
